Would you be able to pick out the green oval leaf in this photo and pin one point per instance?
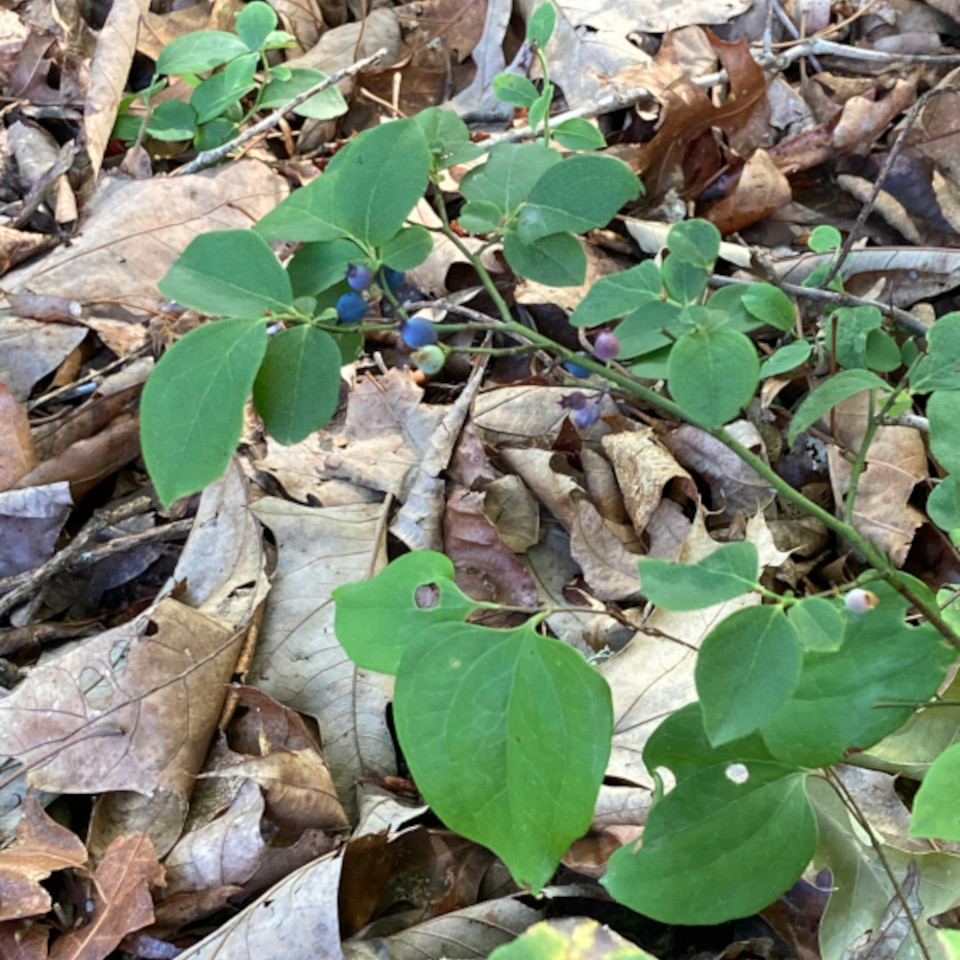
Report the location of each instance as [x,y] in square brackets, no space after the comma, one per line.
[696,242]
[308,214]
[255,22]
[570,938]
[685,282]
[748,666]
[579,134]
[325,105]
[172,120]
[824,238]
[618,294]
[216,93]
[199,51]
[579,193]
[943,504]
[507,178]
[936,813]
[557,260]
[769,304]
[191,411]
[298,387]
[514,88]
[378,619]
[408,249]
[709,829]
[316,267]
[480,216]
[713,374]
[540,745]
[730,571]
[228,273]
[940,368]
[541,24]
[831,392]
[818,622]
[382,177]
[786,359]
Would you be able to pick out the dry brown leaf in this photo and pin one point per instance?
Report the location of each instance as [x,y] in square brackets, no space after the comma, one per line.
[733,485]
[13,35]
[222,853]
[23,940]
[41,847]
[122,901]
[87,462]
[297,918]
[120,258]
[300,794]
[30,350]
[486,569]
[512,509]
[17,452]
[645,469]
[896,463]
[761,190]
[19,245]
[30,522]
[299,661]
[130,709]
[608,567]
[863,118]
[116,46]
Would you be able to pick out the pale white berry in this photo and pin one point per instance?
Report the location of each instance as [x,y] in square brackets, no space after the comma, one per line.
[860,601]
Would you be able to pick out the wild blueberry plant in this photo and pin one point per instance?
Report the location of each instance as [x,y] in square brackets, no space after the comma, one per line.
[214,113]
[508,731]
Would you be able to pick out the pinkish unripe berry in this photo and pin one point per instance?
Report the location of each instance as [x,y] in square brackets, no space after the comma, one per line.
[860,601]
[606,346]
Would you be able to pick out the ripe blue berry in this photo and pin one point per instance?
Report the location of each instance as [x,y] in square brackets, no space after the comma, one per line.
[586,416]
[393,277]
[429,359]
[359,276]
[606,346]
[351,308]
[576,369]
[418,332]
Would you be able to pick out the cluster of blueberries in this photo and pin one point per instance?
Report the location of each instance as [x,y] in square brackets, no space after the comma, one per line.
[420,335]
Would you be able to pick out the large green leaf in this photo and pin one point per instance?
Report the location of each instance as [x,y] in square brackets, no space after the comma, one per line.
[718,847]
[845,384]
[558,260]
[228,273]
[378,619]
[199,51]
[618,294]
[382,177]
[191,411]
[581,192]
[940,368]
[507,734]
[507,178]
[943,411]
[936,807]
[308,215]
[298,387]
[713,374]
[748,666]
[832,709]
[728,572]
[819,623]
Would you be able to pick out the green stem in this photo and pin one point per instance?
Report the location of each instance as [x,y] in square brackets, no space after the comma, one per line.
[874,556]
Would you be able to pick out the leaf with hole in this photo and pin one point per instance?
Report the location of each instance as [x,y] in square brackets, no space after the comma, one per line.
[191,411]
[377,620]
[507,733]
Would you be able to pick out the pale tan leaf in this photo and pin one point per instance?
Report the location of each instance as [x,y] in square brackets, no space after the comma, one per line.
[299,661]
[130,709]
[116,46]
[17,453]
[295,920]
